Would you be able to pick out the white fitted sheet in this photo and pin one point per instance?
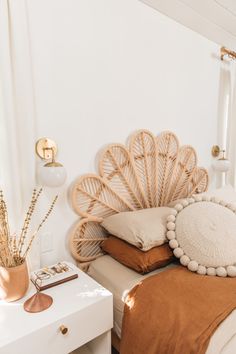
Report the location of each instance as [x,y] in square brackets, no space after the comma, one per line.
[120,280]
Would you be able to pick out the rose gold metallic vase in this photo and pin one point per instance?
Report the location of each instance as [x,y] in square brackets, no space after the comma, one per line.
[14,282]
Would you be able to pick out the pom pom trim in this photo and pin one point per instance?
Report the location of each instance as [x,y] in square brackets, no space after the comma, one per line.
[191,264]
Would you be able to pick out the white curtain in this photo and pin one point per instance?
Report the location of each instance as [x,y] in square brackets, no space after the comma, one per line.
[231,128]
[224,101]
[17,112]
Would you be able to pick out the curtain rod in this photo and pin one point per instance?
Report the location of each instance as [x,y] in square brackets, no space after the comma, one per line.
[224,51]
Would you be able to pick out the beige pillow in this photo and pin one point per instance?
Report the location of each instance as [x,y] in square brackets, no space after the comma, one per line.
[202,233]
[144,228]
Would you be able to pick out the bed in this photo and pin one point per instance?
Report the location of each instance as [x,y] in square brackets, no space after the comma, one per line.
[151,172]
[103,269]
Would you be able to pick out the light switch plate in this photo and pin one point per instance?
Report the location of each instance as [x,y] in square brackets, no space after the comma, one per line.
[46,242]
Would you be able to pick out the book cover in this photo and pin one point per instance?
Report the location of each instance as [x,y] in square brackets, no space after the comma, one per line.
[53,275]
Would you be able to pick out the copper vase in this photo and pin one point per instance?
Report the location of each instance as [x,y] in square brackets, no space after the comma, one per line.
[14,282]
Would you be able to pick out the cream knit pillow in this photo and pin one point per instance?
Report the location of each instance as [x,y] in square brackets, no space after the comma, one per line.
[202,233]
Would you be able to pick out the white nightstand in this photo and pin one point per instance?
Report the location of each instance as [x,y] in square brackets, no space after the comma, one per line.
[81,305]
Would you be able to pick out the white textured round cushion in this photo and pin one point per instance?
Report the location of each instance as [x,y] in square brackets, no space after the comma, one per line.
[205,234]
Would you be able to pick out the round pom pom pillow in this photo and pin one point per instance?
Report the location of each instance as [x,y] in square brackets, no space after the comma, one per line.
[202,233]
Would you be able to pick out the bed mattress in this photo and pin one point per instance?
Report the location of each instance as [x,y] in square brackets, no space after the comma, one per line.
[120,280]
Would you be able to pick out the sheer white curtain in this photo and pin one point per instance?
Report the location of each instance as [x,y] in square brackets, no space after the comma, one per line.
[231,129]
[224,102]
[17,111]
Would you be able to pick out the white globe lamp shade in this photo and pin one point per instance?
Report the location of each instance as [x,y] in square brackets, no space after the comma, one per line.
[52,174]
[222,165]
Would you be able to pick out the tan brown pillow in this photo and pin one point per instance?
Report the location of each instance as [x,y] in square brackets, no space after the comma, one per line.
[144,228]
[132,257]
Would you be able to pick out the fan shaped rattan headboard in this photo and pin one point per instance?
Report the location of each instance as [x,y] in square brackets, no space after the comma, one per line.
[151,172]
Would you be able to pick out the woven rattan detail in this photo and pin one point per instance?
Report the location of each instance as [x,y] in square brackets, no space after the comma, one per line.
[150,172]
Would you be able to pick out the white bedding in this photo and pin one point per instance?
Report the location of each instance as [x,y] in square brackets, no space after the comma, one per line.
[120,280]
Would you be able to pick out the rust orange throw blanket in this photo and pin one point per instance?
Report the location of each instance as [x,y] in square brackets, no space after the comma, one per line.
[175,312]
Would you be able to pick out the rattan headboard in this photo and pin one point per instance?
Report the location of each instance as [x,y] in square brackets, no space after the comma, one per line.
[151,172]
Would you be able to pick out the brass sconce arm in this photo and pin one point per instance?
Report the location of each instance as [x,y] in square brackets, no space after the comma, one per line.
[216,151]
[54,176]
[46,148]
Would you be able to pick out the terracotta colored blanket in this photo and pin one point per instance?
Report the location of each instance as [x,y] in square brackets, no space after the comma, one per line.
[175,312]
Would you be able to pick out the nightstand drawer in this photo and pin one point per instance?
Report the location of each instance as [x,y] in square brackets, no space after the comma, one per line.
[78,328]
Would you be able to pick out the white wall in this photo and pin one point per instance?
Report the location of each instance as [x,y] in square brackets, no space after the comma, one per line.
[103,69]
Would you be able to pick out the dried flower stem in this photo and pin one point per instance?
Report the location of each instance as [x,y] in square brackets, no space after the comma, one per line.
[13,251]
[39,227]
[4,234]
[29,214]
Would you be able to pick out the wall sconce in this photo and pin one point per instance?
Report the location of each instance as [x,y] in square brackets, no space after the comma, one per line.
[52,174]
[222,164]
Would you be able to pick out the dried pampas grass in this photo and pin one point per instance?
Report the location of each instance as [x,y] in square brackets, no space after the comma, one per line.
[14,249]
